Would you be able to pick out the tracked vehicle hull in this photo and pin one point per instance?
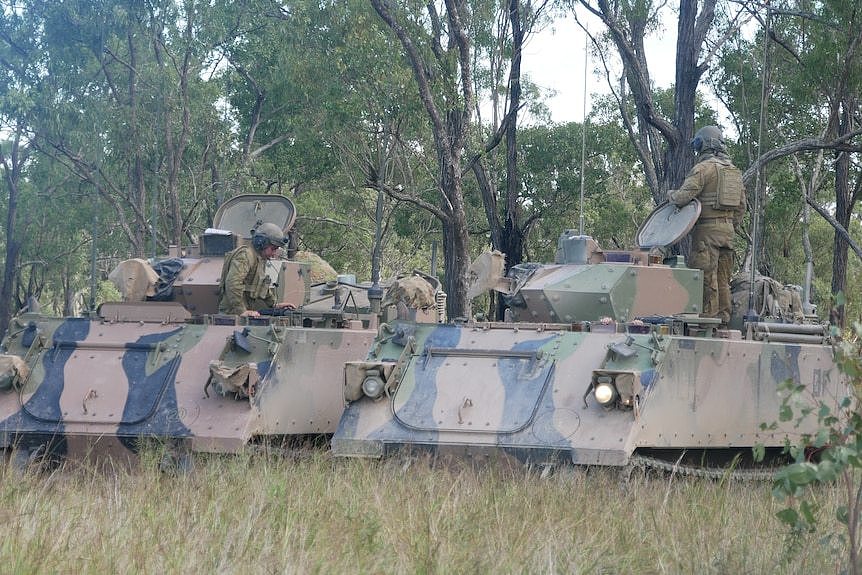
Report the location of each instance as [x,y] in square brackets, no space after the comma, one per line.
[633,368]
[95,385]
[529,391]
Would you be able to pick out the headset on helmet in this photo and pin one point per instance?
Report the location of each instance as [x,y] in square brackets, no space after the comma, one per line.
[708,138]
[267,234]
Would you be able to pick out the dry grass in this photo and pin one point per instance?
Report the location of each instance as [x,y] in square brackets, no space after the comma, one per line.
[263,514]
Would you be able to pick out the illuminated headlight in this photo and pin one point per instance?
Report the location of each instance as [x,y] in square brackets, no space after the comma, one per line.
[372,386]
[605,393]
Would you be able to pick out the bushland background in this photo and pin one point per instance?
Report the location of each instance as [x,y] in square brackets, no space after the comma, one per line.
[124,124]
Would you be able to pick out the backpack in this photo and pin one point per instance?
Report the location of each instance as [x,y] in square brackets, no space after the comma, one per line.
[773,301]
[730,188]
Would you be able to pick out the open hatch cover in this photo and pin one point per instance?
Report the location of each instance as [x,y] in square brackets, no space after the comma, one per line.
[667,225]
[242,214]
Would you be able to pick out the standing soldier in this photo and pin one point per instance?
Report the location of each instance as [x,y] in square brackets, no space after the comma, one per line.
[717,183]
[245,288]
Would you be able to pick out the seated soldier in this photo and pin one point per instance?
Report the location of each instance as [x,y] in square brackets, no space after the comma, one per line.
[244,288]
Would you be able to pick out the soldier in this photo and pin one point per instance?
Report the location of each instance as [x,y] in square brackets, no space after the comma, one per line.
[718,184]
[245,288]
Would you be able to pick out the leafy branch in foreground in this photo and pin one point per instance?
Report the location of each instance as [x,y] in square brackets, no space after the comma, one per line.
[830,456]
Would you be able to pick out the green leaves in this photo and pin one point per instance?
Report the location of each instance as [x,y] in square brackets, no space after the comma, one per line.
[832,454]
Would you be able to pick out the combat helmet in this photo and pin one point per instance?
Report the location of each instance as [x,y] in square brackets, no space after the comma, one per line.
[708,138]
[267,234]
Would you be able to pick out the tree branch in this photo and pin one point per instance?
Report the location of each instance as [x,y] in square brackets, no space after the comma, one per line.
[803,145]
[839,229]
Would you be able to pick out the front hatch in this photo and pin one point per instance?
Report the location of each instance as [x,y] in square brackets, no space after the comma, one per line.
[472,390]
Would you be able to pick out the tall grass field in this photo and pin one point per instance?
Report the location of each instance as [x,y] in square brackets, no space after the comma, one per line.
[260,513]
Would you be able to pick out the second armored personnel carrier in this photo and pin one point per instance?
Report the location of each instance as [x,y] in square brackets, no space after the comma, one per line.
[607,359]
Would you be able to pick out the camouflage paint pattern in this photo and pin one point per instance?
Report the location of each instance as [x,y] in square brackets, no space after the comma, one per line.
[524,390]
[565,293]
[141,369]
[99,384]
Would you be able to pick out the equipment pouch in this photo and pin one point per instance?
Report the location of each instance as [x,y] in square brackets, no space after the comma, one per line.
[730,188]
[13,372]
[240,380]
[262,291]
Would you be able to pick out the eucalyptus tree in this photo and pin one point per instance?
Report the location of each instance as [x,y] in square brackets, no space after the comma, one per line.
[810,69]
[13,156]
[501,32]
[269,64]
[827,52]
[123,91]
[437,46]
[322,109]
[19,68]
[822,49]
[455,49]
[661,140]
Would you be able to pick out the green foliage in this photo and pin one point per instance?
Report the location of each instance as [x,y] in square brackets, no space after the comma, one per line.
[139,119]
[616,199]
[833,453]
[813,87]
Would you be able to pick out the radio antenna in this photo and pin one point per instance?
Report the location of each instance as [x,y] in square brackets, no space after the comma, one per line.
[584,132]
[752,315]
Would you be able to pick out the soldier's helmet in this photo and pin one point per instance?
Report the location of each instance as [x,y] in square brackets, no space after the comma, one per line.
[267,234]
[708,138]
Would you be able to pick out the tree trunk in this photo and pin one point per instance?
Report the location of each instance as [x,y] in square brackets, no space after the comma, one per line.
[660,143]
[456,243]
[450,120]
[137,191]
[513,234]
[12,171]
[843,211]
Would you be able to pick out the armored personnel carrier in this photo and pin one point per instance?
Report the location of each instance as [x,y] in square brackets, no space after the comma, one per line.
[606,359]
[176,369]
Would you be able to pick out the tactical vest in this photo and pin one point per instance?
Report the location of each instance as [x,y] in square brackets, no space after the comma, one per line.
[257,283]
[722,192]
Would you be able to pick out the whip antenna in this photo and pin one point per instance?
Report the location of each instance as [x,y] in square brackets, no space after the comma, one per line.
[584,132]
[751,315]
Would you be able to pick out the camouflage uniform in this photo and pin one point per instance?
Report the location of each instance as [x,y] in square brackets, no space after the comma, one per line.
[244,284]
[712,236]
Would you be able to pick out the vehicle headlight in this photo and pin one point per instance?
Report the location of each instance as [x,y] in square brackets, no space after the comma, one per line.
[372,386]
[605,393]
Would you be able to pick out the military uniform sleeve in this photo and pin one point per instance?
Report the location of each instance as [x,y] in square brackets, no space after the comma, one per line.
[690,189]
[233,300]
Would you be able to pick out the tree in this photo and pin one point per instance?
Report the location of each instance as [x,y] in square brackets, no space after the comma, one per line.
[444,79]
[661,142]
[515,20]
[17,68]
[810,72]
[12,165]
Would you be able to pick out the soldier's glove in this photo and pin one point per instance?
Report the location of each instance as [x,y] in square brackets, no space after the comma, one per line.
[670,196]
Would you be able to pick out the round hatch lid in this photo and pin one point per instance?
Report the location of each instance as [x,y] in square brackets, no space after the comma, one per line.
[668,224]
[244,213]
